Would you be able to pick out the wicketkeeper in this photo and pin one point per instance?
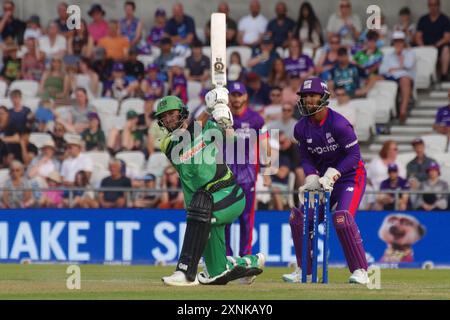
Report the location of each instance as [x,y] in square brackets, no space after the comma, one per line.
[212,198]
[331,159]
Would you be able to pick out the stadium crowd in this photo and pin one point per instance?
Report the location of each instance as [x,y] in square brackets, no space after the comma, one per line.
[67,72]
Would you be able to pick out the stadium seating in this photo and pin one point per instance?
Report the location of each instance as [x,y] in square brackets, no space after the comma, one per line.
[206,51]
[405,157]
[29,88]
[106,105]
[148,59]
[318,54]
[435,143]
[38,139]
[6,102]
[32,103]
[100,159]
[135,104]
[200,32]
[365,118]
[97,177]
[426,58]
[156,163]
[133,158]
[384,93]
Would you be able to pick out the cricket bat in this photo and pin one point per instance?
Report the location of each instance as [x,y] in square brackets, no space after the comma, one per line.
[218,50]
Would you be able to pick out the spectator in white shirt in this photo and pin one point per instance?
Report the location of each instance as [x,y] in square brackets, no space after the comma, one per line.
[41,166]
[76,160]
[377,170]
[345,23]
[53,44]
[252,27]
[344,105]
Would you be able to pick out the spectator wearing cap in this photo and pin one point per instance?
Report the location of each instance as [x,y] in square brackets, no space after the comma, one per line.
[61,21]
[11,27]
[289,93]
[345,24]
[116,45]
[98,28]
[298,63]
[53,44]
[11,63]
[416,169]
[45,163]
[117,180]
[120,86]
[405,25]
[32,67]
[197,64]
[75,161]
[378,167]
[344,105]
[252,26]
[177,79]
[133,67]
[433,29]
[442,121]
[17,199]
[147,198]
[436,189]
[9,138]
[281,27]
[263,57]
[85,77]
[394,182]
[52,198]
[55,82]
[79,42]
[130,26]
[399,66]
[181,27]
[156,33]
[308,29]
[151,85]
[345,74]
[165,56]
[171,199]
[232,29]
[258,92]
[93,136]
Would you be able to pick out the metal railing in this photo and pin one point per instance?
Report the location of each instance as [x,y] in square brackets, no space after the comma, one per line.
[130,191]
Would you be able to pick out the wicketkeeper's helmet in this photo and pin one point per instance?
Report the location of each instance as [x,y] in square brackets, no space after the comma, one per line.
[312,85]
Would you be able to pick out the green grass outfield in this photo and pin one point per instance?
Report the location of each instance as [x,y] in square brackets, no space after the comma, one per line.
[144,282]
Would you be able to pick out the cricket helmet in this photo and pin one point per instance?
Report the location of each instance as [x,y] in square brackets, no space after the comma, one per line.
[170,103]
[312,85]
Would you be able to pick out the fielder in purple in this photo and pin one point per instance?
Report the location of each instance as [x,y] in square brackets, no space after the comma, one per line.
[246,169]
[331,160]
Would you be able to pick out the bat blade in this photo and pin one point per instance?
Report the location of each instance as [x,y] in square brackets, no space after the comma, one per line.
[218,50]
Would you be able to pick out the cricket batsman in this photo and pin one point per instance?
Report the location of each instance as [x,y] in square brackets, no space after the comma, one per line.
[245,166]
[212,197]
[332,161]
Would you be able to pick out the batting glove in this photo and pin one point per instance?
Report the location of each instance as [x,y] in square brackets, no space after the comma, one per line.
[311,184]
[215,97]
[222,115]
[329,178]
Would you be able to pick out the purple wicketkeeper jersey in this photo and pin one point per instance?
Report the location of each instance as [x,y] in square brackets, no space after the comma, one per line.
[332,143]
[244,166]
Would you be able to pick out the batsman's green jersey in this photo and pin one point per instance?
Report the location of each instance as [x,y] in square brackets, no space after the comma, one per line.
[195,159]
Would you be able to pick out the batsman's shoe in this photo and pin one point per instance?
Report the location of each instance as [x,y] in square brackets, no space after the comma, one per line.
[228,275]
[254,269]
[295,277]
[359,276]
[178,279]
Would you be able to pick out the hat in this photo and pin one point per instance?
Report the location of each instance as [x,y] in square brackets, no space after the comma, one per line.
[74,139]
[152,66]
[96,7]
[147,177]
[417,141]
[238,87]
[160,12]
[176,62]
[93,115]
[313,85]
[34,19]
[433,166]
[48,144]
[398,35]
[132,114]
[54,176]
[118,66]
[392,167]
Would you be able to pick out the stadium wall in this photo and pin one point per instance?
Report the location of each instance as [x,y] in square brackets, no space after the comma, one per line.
[201,9]
[147,236]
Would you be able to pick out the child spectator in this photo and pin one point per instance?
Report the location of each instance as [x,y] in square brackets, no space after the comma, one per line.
[171,199]
[157,31]
[52,198]
[404,24]
[146,199]
[394,182]
[82,198]
[151,85]
[11,63]
[120,86]
[93,136]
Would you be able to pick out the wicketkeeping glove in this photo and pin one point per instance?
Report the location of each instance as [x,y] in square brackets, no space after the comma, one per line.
[329,178]
[311,184]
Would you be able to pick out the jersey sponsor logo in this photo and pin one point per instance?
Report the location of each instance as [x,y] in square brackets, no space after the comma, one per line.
[329,138]
[192,152]
[351,144]
[350,189]
[320,150]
